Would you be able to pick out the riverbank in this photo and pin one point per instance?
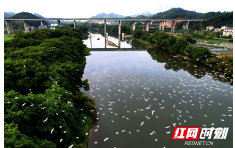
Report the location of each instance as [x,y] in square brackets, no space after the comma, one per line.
[180,46]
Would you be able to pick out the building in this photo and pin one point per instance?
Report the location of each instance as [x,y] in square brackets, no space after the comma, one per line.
[53,26]
[32,28]
[209,27]
[228,31]
[112,23]
[223,27]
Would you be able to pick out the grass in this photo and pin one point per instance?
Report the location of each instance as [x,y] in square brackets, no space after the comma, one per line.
[8,37]
[210,41]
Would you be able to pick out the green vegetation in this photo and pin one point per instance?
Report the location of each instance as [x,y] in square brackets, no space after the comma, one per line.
[42,104]
[85,84]
[180,46]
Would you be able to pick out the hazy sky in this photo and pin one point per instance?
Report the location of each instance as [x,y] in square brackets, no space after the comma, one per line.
[88,8]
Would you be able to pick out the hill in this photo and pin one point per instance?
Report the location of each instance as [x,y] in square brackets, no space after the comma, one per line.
[110,15]
[176,13]
[219,20]
[18,25]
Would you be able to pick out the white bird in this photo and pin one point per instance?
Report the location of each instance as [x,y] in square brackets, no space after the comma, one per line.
[153,112]
[141,123]
[52,130]
[61,140]
[96,142]
[45,120]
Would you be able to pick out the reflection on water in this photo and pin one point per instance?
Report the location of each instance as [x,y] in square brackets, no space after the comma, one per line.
[142,95]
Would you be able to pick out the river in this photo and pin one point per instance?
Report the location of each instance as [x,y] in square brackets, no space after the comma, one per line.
[142,95]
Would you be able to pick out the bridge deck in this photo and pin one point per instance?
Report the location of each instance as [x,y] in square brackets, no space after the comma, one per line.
[107,19]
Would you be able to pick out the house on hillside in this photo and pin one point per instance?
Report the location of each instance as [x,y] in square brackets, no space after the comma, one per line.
[223,27]
[228,31]
[209,28]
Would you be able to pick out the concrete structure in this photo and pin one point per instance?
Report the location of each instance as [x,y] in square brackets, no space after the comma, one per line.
[119,33]
[209,27]
[42,24]
[161,25]
[133,25]
[105,33]
[228,31]
[147,26]
[26,26]
[74,23]
[58,23]
[9,27]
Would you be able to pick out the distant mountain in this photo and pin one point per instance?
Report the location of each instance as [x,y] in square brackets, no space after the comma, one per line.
[8,14]
[110,15]
[38,15]
[146,13]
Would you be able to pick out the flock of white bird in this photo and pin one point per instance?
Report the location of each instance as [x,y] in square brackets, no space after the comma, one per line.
[158,90]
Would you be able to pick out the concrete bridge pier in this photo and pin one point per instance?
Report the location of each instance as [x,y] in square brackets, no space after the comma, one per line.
[119,33]
[105,33]
[90,26]
[58,23]
[173,27]
[26,26]
[133,25]
[74,23]
[163,25]
[43,24]
[119,28]
[160,26]
[147,26]
[9,27]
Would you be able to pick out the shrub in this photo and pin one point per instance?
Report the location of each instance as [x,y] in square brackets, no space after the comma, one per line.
[200,53]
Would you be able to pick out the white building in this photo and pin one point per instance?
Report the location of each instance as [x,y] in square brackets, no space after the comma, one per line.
[223,27]
[228,31]
[209,28]
[53,26]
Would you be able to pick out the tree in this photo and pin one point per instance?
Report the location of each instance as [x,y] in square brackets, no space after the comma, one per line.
[136,33]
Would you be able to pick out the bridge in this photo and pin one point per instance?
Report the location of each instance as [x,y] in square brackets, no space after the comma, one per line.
[161,24]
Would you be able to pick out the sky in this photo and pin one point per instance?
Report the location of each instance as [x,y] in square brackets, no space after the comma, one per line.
[88,8]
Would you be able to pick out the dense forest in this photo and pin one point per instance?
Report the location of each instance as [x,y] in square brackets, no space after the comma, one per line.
[225,19]
[43,105]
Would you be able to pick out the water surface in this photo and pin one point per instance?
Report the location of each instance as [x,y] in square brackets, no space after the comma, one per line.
[142,95]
